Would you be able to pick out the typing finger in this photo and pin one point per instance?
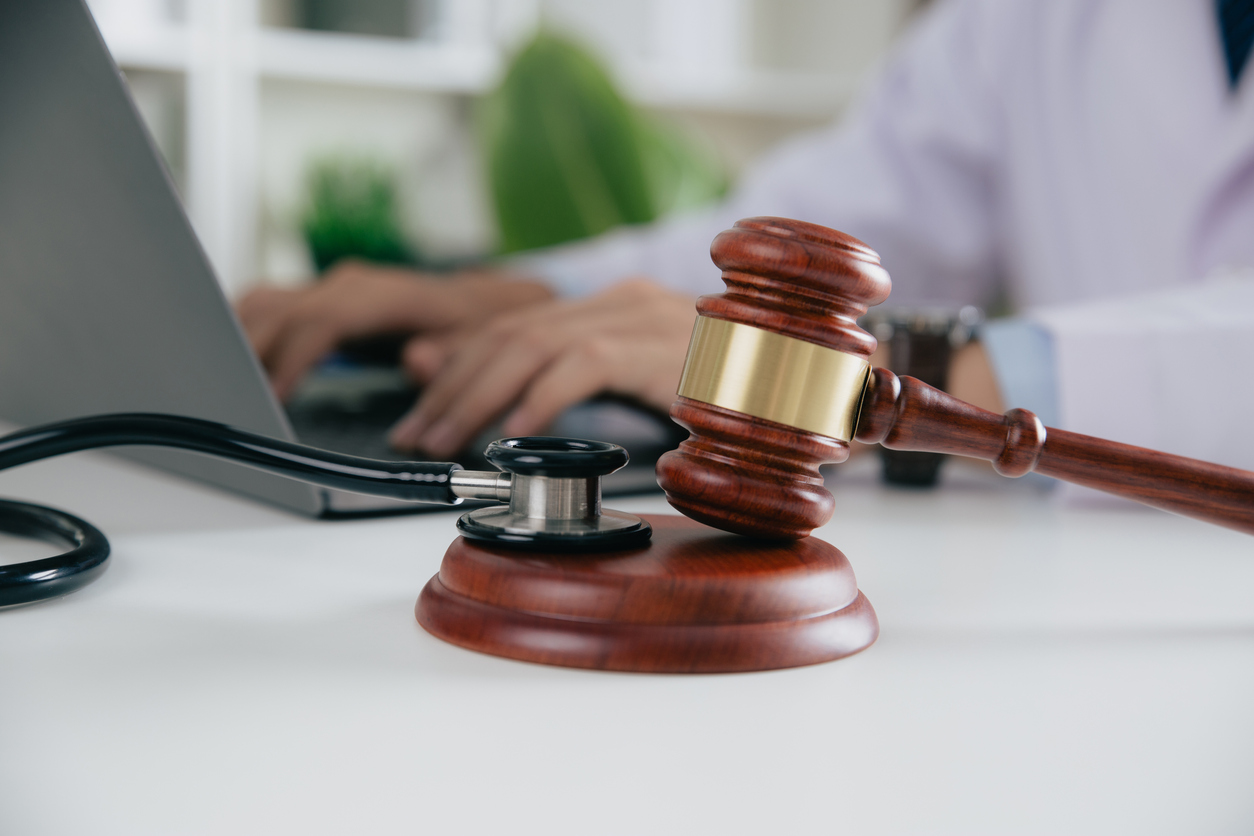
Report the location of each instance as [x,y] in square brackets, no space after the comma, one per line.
[477,388]
[580,372]
[424,356]
[300,346]
[489,369]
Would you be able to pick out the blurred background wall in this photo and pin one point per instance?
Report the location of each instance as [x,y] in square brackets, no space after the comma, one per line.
[242,96]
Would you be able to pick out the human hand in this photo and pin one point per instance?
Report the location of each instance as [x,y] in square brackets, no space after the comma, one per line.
[630,340]
[292,329]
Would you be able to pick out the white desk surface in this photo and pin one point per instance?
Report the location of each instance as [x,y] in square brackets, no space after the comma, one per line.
[240,670]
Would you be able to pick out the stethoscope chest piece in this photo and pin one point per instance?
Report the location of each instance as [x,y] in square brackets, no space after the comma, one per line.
[553,486]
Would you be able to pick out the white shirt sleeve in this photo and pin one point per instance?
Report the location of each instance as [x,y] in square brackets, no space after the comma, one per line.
[911,169]
[1164,370]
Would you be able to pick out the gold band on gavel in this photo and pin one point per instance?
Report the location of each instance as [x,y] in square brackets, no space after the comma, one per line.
[771,376]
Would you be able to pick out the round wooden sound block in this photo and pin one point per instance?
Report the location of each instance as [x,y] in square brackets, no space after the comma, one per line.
[695,600]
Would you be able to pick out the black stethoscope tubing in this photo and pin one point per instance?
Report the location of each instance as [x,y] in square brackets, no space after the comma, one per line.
[36,580]
[50,577]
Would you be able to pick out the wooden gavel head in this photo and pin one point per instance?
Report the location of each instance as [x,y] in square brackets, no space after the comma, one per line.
[775,375]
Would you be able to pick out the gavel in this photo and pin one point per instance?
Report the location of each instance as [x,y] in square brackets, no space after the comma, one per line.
[778,381]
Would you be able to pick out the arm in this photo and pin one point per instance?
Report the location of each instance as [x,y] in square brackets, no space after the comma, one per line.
[910,168]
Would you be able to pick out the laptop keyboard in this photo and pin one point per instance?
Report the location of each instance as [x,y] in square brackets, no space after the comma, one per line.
[355,426]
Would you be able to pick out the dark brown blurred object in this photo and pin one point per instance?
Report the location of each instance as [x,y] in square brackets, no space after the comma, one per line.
[920,342]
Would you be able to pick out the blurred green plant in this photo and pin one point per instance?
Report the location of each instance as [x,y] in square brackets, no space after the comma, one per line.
[683,174]
[569,158]
[352,212]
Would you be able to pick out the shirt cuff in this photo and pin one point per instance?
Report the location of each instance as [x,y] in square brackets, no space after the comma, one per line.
[1022,355]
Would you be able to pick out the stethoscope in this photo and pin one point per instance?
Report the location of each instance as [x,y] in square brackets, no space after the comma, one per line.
[551,488]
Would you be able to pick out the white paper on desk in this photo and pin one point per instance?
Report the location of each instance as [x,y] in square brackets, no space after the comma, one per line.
[1172,370]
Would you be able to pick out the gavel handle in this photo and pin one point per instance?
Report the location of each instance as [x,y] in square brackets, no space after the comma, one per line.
[907,414]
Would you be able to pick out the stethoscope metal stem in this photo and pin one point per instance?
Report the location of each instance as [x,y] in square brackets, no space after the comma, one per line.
[492,485]
[541,497]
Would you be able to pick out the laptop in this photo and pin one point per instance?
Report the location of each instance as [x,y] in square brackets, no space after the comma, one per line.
[109,304]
